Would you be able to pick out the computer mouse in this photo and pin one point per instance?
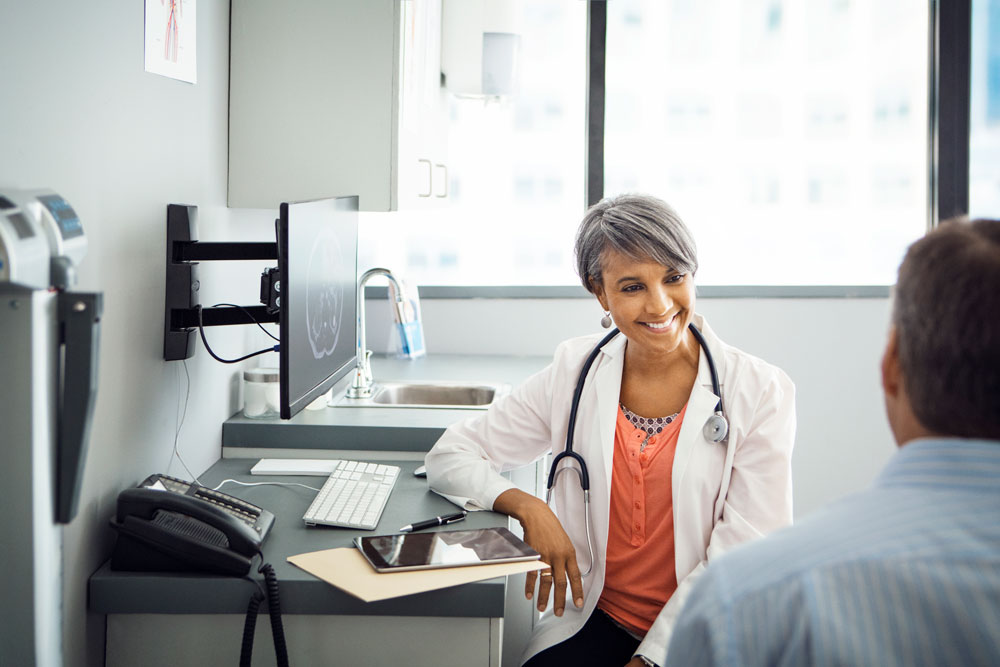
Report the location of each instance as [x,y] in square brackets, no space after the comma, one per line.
[420,471]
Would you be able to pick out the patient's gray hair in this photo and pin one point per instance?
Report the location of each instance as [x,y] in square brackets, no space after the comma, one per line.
[639,226]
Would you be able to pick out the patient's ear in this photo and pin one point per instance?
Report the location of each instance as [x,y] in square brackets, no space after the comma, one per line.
[892,379]
[892,388]
[902,421]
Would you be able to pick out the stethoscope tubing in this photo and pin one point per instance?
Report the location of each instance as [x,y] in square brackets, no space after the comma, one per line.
[568,453]
[573,408]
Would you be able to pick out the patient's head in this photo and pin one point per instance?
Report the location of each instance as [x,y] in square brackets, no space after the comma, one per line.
[946,321]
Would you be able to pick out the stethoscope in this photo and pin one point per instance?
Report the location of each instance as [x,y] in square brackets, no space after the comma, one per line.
[715,430]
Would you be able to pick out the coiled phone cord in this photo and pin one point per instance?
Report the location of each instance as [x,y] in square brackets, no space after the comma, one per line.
[249,625]
[274,610]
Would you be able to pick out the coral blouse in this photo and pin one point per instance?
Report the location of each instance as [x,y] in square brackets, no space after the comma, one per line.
[640,575]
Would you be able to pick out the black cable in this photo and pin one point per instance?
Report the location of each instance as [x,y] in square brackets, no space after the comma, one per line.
[250,625]
[270,593]
[274,609]
[252,318]
[201,329]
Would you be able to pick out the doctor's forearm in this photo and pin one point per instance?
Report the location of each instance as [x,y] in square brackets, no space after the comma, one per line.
[546,535]
[518,504]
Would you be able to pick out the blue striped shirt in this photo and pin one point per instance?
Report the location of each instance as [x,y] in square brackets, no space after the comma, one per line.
[904,573]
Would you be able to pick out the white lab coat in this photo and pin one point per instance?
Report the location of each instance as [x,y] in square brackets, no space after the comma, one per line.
[723,494]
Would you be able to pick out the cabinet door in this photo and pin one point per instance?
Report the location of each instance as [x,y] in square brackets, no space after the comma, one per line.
[313,101]
[423,143]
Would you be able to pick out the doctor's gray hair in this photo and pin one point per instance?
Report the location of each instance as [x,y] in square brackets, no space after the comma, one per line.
[639,226]
[946,312]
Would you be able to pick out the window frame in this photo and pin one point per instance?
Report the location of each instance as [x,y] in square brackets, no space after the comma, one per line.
[950,103]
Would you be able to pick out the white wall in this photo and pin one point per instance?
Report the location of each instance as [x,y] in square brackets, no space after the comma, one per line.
[831,348]
[79,115]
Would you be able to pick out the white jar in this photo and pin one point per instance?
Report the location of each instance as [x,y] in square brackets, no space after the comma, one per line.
[260,393]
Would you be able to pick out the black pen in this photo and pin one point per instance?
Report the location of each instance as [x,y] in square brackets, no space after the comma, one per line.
[436,521]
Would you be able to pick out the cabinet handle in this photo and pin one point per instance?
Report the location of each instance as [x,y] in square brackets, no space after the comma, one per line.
[430,178]
[445,193]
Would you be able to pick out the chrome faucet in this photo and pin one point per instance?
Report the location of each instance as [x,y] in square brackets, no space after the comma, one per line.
[361,386]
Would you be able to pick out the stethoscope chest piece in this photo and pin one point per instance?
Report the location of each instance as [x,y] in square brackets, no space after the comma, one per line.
[716,428]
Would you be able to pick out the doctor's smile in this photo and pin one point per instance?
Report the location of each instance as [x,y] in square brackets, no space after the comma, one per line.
[659,326]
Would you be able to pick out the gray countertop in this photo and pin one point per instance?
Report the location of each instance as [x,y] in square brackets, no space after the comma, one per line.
[301,593]
[380,429]
[377,430]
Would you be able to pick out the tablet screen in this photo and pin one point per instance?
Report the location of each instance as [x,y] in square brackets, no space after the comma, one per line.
[448,548]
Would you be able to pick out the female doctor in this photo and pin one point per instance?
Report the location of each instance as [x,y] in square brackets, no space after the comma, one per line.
[667,494]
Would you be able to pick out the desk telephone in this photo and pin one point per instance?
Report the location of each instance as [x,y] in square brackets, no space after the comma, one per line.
[169,525]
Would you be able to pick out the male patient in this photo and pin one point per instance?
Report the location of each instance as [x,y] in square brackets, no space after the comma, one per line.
[907,572]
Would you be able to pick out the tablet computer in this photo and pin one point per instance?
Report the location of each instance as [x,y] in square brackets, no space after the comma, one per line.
[446,548]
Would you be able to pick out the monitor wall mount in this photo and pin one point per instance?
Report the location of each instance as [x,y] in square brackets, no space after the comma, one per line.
[182,299]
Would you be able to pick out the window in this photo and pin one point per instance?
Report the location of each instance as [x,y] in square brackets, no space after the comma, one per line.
[790,136]
[984,150]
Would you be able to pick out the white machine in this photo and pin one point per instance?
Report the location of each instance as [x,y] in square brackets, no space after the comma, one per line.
[41,239]
[48,365]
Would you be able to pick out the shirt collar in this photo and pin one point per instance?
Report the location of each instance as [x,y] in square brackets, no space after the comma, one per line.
[944,463]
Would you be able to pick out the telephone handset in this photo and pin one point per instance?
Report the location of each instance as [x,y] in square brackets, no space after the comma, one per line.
[170,525]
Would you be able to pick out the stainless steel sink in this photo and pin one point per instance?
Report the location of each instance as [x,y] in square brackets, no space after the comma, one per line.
[450,395]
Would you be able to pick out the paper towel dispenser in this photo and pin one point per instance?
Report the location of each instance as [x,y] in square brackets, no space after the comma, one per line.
[480,47]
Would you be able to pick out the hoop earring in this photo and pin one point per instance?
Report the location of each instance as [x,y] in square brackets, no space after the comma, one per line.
[606,320]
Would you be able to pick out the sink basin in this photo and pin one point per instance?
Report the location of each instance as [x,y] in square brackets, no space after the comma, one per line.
[450,395]
[435,394]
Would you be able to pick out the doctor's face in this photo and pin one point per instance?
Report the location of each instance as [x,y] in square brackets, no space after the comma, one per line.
[651,303]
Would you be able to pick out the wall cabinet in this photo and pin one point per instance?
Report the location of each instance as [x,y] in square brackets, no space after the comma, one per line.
[331,98]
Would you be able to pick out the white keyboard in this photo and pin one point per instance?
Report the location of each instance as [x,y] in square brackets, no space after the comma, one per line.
[353,496]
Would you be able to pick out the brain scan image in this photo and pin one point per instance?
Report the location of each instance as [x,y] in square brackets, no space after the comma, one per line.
[324,295]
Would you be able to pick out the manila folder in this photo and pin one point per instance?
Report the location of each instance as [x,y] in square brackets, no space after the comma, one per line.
[348,570]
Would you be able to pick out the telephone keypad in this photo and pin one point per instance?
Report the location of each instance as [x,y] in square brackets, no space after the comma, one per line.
[246,512]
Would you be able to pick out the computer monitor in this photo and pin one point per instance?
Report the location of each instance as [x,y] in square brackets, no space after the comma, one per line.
[318,270]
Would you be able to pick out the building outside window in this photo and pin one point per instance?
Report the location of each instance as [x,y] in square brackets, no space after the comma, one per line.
[984,116]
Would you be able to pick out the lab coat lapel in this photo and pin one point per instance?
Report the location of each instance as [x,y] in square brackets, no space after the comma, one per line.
[700,407]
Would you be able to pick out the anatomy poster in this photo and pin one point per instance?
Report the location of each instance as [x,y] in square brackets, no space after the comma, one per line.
[171,38]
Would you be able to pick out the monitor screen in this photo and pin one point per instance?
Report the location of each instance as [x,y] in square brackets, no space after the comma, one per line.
[318,270]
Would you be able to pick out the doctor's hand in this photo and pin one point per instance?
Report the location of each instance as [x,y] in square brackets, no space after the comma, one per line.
[545,534]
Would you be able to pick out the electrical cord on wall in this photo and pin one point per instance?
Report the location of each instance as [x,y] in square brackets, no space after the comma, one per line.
[179,421]
[201,330]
